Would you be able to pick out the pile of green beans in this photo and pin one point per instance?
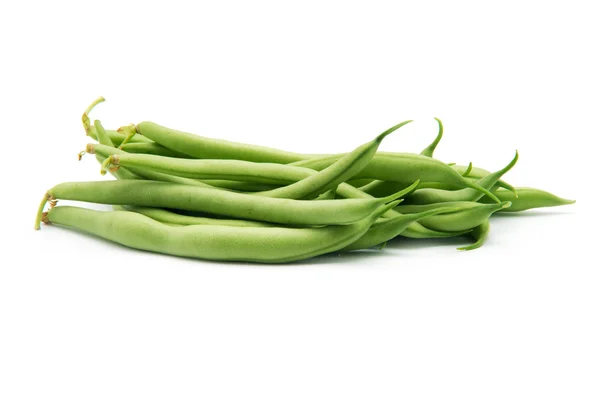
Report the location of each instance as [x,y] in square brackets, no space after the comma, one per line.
[188,195]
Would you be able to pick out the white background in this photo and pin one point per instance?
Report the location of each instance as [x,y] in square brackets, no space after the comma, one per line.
[80,316]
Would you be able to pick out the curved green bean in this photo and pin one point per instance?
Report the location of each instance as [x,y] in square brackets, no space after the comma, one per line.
[385,229]
[404,168]
[480,234]
[208,148]
[220,202]
[417,231]
[428,151]
[426,196]
[470,216]
[168,217]
[140,173]
[213,242]
[479,173]
[529,198]
[101,133]
[151,148]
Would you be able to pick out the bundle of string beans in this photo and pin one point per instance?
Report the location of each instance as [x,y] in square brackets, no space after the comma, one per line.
[187,195]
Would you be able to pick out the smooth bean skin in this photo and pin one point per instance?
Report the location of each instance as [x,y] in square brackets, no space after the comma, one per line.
[431,195]
[202,147]
[358,183]
[385,229]
[215,169]
[529,198]
[404,168]
[238,186]
[382,188]
[213,242]
[220,202]
[101,134]
[151,148]
[168,217]
[470,216]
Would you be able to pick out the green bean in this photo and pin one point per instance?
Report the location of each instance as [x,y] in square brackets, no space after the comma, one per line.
[480,234]
[90,130]
[207,148]
[340,171]
[117,138]
[431,195]
[428,151]
[479,173]
[101,133]
[249,244]
[330,194]
[403,167]
[418,231]
[152,148]
[377,188]
[233,185]
[529,198]
[359,182]
[140,173]
[471,215]
[168,217]
[468,171]
[385,229]
[121,173]
[85,119]
[220,202]
[212,169]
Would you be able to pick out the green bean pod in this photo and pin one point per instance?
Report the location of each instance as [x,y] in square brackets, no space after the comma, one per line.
[340,171]
[207,148]
[121,173]
[220,202]
[385,229]
[233,185]
[169,217]
[426,196]
[471,215]
[479,173]
[103,151]
[101,134]
[404,168]
[480,234]
[417,231]
[213,242]
[529,198]
[117,138]
[151,148]
[428,151]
